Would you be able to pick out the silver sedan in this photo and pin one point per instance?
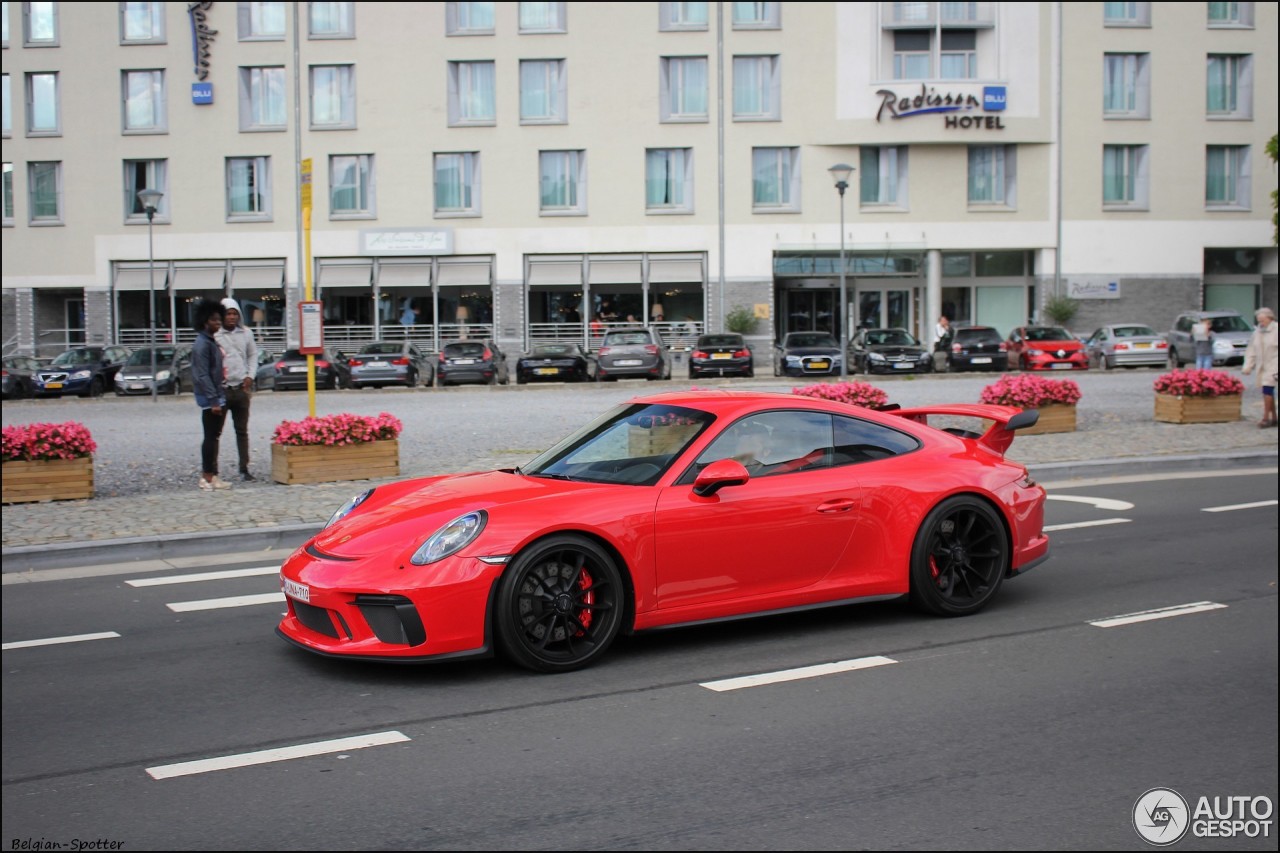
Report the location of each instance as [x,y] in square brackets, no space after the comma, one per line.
[1126,345]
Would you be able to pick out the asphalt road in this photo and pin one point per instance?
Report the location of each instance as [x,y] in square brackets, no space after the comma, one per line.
[1024,727]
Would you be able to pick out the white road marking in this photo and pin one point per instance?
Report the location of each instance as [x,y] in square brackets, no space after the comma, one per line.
[1100,503]
[795,674]
[205,576]
[233,601]
[266,756]
[1159,613]
[1253,505]
[53,641]
[1096,523]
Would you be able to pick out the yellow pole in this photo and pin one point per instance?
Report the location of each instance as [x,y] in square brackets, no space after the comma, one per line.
[306,231]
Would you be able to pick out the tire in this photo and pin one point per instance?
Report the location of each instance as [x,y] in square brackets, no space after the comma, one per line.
[413,380]
[1106,362]
[1174,361]
[960,556]
[95,388]
[559,605]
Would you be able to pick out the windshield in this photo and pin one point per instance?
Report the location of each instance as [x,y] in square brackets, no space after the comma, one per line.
[464,350]
[632,444]
[1134,332]
[1230,324]
[72,357]
[622,339]
[1048,333]
[553,349]
[382,349]
[892,338]
[720,341]
[143,356]
[811,340]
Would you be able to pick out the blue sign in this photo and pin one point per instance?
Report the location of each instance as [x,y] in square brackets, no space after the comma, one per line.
[202,93]
[993,98]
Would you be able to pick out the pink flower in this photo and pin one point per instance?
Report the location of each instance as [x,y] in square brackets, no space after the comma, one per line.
[1197,383]
[334,430]
[854,393]
[1029,391]
[33,442]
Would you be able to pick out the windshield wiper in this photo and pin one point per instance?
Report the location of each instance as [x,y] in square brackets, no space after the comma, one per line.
[552,476]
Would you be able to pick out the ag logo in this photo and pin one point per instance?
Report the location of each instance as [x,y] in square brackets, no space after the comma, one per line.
[1161,816]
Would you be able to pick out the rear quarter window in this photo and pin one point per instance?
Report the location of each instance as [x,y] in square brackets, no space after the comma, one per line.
[862,441]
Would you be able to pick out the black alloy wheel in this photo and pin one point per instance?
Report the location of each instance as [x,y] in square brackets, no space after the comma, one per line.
[95,388]
[559,605]
[961,555]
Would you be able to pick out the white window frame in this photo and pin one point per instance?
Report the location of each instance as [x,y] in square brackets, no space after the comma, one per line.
[158,99]
[756,16]
[675,16]
[29,36]
[572,163]
[57,218]
[767,71]
[1239,67]
[262,172]
[1237,178]
[1135,172]
[344,28]
[554,78]
[31,94]
[904,59]
[675,162]
[886,165]
[969,55]
[156,177]
[784,163]
[556,22]
[4,26]
[366,185]
[1132,15]
[461,77]
[254,86]
[1003,194]
[1239,16]
[467,166]
[1135,71]
[6,92]
[152,13]
[252,23]
[9,202]
[674,89]
[344,81]
[458,23]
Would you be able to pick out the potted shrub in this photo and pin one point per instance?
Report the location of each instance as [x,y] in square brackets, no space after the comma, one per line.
[47,462]
[854,393]
[1054,398]
[1198,397]
[336,447]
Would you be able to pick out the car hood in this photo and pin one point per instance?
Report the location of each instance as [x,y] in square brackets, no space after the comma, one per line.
[812,350]
[895,349]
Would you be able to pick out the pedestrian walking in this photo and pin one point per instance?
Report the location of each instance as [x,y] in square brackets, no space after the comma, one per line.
[1202,340]
[208,378]
[240,360]
[1261,356]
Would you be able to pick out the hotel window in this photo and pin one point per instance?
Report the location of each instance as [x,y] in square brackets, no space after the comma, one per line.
[683,87]
[8,107]
[668,180]
[44,118]
[331,20]
[1229,93]
[912,55]
[542,18]
[1231,15]
[682,16]
[468,19]
[1226,184]
[992,176]
[141,175]
[39,24]
[959,57]
[757,88]
[333,97]
[144,102]
[775,180]
[1126,85]
[44,186]
[883,180]
[263,104]
[471,93]
[260,21]
[1125,177]
[542,91]
[563,182]
[8,194]
[757,16]
[142,23]
[351,187]
[458,184]
[248,189]
[1126,14]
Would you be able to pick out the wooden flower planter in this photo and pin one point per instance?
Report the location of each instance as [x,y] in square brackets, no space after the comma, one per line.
[1054,417]
[319,463]
[47,480]
[1175,409]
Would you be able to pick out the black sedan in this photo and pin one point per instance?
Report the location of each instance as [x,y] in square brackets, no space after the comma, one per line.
[19,371]
[555,363]
[889,351]
[807,354]
[471,361]
[721,355]
[977,348]
[289,371]
[135,376]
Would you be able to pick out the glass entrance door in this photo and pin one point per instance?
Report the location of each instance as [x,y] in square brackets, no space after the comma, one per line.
[885,308]
[811,311]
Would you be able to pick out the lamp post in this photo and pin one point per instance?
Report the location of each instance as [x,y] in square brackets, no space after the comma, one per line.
[840,174]
[150,200]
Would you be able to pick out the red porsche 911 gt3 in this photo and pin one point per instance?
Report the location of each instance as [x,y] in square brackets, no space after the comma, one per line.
[672,509]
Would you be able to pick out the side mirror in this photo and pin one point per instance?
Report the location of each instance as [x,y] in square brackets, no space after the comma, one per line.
[717,475]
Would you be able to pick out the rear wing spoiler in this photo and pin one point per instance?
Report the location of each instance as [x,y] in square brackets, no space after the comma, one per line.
[1007,420]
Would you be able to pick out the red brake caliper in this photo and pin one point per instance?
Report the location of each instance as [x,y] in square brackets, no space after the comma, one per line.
[584,616]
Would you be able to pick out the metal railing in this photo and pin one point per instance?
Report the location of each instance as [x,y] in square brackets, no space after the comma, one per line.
[676,335]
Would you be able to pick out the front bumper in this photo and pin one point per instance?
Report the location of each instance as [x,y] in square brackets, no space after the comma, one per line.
[720,367]
[1043,363]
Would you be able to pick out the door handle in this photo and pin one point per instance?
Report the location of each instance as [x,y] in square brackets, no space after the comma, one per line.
[838,505]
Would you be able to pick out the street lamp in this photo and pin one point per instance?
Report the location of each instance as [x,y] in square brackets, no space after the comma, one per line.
[150,200]
[840,174]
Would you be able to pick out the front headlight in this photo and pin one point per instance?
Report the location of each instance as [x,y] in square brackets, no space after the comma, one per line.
[81,374]
[451,538]
[793,361]
[875,356]
[162,376]
[346,508]
[1220,345]
[1034,352]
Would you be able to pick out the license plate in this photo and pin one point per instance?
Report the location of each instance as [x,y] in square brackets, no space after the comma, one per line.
[293,589]
[54,385]
[377,364]
[903,365]
[716,355]
[628,362]
[547,371]
[136,386]
[1142,346]
[983,360]
[819,365]
[297,370]
[1059,366]
[464,361]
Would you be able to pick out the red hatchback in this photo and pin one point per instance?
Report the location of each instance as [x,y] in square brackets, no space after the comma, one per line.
[1046,348]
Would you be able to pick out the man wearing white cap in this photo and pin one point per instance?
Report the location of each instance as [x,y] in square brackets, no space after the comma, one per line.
[240,357]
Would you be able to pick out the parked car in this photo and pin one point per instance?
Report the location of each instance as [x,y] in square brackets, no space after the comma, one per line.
[889,351]
[721,355]
[134,377]
[1126,345]
[1230,337]
[390,363]
[633,352]
[289,371]
[679,508]
[976,348]
[556,362]
[472,361]
[807,354]
[1046,348]
[264,376]
[86,371]
[19,376]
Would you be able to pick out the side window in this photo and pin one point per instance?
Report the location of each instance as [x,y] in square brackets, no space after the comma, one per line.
[862,441]
[772,443]
[1184,324]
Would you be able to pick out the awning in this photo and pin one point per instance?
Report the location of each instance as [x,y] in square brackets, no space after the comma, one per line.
[556,273]
[404,275]
[199,278]
[600,271]
[346,275]
[131,278]
[257,276]
[465,273]
[674,271]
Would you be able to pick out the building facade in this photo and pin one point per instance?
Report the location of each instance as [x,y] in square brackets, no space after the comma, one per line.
[541,171]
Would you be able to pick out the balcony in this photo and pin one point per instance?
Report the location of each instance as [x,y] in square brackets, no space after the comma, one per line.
[901,16]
